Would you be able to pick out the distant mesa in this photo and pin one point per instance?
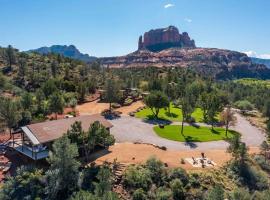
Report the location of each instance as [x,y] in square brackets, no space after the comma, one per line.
[164,38]
[69,51]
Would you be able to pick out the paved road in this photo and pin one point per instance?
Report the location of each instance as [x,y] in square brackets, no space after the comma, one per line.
[130,129]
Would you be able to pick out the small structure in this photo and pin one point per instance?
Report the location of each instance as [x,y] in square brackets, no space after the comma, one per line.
[36,139]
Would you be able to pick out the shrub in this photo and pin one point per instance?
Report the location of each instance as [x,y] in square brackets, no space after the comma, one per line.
[240,194]
[178,173]
[156,168]
[163,193]
[139,194]
[244,105]
[177,189]
[137,177]
[264,164]
[217,193]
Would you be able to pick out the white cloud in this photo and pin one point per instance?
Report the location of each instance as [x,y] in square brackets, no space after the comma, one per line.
[169,5]
[254,54]
[188,20]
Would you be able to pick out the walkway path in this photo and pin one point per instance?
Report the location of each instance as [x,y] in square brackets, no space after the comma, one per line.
[130,129]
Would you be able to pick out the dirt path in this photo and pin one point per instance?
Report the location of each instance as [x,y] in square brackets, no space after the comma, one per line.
[93,107]
[251,135]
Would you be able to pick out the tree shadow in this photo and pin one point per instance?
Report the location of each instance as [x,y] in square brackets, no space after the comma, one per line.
[189,141]
[157,121]
[173,115]
[215,131]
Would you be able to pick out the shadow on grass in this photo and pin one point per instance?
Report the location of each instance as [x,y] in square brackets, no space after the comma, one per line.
[215,131]
[173,115]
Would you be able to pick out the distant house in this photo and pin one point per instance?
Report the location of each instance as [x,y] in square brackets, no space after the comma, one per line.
[36,139]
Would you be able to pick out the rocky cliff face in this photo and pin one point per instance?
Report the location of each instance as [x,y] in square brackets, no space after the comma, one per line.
[160,39]
[219,63]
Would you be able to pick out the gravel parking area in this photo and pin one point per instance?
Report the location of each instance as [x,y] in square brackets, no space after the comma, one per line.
[130,129]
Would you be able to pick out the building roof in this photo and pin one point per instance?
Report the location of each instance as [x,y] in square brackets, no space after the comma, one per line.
[51,130]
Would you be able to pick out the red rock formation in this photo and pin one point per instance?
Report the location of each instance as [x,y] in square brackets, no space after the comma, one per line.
[160,39]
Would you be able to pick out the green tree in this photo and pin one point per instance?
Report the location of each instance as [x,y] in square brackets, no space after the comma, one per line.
[139,194]
[238,149]
[83,195]
[217,193]
[156,168]
[54,68]
[10,56]
[56,104]
[63,174]
[104,183]
[26,184]
[27,101]
[112,91]
[155,101]
[9,113]
[187,103]
[267,109]
[97,134]
[170,91]
[240,194]
[49,88]
[264,148]
[81,91]
[76,133]
[177,189]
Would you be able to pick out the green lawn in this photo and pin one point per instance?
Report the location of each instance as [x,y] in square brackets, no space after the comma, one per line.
[192,134]
[176,114]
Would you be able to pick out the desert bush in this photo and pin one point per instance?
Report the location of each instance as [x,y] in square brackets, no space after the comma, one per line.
[177,189]
[178,173]
[163,193]
[264,164]
[137,177]
[244,105]
[139,194]
[157,170]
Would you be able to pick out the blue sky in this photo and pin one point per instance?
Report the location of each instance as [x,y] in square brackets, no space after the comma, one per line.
[112,27]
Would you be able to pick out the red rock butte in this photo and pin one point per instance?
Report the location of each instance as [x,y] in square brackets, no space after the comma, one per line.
[164,38]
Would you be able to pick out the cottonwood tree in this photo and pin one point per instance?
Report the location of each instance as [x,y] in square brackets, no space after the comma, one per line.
[9,113]
[62,176]
[228,118]
[155,101]
[187,102]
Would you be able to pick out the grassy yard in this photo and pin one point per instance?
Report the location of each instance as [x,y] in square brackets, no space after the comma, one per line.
[192,134]
[176,114]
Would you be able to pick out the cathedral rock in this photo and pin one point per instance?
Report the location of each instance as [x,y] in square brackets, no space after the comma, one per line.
[164,38]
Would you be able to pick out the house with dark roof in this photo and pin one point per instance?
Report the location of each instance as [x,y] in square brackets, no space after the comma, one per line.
[36,139]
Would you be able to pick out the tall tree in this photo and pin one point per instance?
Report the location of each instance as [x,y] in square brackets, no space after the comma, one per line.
[63,174]
[228,118]
[187,103]
[264,148]
[9,113]
[56,103]
[170,91]
[10,56]
[155,101]
[112,91]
